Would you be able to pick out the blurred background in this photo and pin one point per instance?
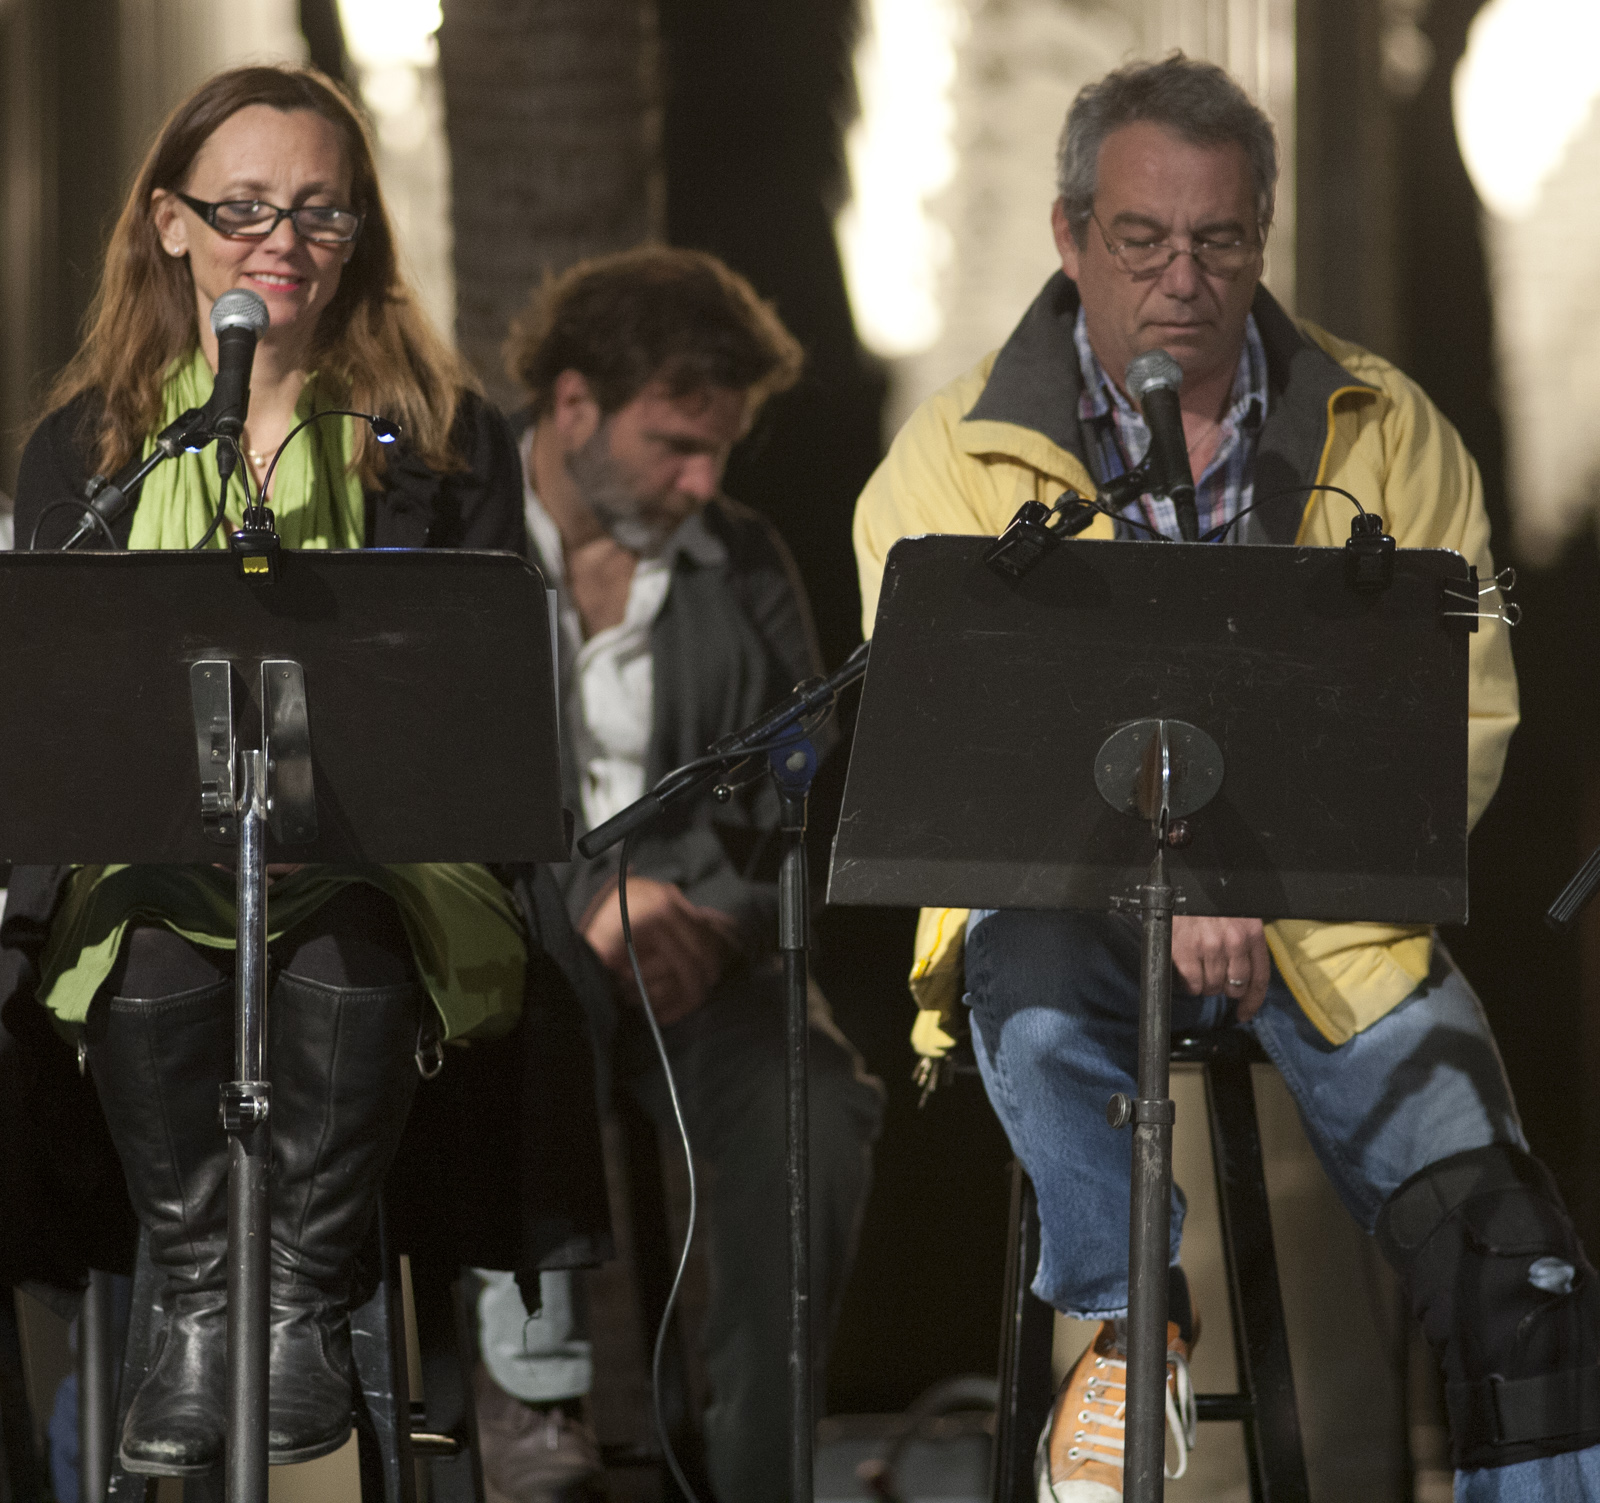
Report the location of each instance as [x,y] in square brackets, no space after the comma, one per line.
[881,170]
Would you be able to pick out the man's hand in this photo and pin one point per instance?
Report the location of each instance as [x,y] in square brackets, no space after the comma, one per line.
[683,949]
[1223,955]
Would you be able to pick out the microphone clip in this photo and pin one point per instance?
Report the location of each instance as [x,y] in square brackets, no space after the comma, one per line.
[256,548]
[1368,555]
[1036,530]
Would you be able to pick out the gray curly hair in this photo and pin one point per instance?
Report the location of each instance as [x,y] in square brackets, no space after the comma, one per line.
[1195,100]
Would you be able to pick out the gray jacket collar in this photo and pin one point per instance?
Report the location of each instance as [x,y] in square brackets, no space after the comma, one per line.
[1035,383]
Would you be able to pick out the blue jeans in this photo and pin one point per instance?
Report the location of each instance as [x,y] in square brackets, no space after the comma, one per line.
[1055,1005]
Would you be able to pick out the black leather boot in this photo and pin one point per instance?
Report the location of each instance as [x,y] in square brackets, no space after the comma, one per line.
[157,1068]
[342,1063]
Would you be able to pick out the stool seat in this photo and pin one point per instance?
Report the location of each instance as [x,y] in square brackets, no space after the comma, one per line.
[1265,1402]
[1218,1043]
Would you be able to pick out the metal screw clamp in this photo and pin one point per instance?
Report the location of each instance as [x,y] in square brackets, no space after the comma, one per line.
[244,1104]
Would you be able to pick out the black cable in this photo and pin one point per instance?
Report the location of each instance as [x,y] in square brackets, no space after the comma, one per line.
[242,470]
[1116,516]
[688,1158]
[1294,490]
[378,425]
[84,506]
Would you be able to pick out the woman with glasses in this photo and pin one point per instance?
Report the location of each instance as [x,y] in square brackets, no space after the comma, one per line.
[264,180]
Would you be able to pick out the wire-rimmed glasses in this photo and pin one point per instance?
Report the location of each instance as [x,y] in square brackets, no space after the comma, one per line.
[1149,258]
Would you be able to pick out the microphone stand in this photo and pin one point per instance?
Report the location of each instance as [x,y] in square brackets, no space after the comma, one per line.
[782,736]
[1575,896]
[109,498]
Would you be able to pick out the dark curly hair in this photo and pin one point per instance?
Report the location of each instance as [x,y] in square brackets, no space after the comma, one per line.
[654,313]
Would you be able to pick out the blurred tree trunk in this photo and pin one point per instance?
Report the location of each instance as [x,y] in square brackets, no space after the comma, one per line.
[59,186]
[324,34]
[553,116]
[757,99]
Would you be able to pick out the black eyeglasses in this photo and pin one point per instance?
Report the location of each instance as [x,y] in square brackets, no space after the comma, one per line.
[251,219]
[1149,258]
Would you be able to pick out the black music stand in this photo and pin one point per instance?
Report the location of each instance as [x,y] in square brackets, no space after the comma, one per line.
[1232,731]
[379,706]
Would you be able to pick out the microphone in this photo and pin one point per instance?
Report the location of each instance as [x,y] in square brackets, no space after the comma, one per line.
[1153,381]
[237,317]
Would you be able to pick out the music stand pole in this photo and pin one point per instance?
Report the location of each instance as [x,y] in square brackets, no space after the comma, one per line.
[792,760]
[246,1103]
[793,768]
[1150,1212]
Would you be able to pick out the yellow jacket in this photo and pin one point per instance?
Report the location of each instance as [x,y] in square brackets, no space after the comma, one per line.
[1006,432]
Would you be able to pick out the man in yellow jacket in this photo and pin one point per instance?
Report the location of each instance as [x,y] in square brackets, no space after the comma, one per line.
[1167,176]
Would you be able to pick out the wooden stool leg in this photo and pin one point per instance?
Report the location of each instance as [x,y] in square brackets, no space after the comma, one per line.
[21,1468]
[144,1321]
[1261,1338]
[96,1388]
[448,1354]
[383,1396]
[1026,1333]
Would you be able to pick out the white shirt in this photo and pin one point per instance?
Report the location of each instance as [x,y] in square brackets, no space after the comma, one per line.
[608,682]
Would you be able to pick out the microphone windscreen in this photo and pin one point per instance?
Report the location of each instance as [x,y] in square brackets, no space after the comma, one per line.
[239,308]
[1152,369]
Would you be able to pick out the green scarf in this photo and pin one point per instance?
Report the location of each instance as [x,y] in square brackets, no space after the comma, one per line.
[316,496]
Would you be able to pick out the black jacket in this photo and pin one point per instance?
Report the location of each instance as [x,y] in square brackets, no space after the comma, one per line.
[456,1194]
[734,635]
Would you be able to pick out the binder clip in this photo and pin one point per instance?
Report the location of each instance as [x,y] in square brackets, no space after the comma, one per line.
[1470,593]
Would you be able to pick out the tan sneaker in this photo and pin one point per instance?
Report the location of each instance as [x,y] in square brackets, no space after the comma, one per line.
[1079,1458]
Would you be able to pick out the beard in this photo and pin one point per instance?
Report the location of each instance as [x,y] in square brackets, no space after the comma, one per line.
[617,506]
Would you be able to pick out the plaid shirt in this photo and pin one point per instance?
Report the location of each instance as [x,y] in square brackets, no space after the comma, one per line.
[1113,431]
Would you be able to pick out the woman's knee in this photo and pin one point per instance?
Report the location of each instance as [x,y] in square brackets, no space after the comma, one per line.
[356,939]
[155,963]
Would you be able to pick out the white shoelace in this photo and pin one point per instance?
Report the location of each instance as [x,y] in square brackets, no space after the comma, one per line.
[1182,1414]
[1102,1411]
[1107,1413]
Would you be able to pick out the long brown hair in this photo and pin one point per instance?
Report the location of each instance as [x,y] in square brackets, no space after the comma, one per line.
[373,340]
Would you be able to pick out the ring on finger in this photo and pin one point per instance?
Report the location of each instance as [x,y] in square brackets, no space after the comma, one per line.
[1238,981]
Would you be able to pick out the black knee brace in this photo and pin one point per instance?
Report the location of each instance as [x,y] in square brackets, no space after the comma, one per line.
[1509,1303]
